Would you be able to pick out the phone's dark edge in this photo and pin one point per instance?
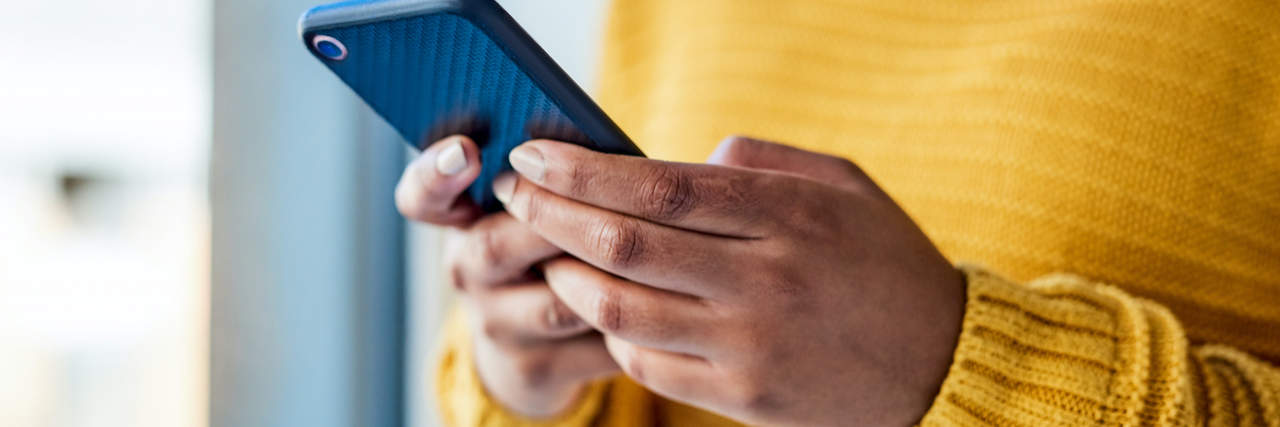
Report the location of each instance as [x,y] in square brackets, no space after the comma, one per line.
[357,12]
[492,19]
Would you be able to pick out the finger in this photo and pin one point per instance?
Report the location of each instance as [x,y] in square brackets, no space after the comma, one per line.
[573,361]
[745,152]
[709,199]
[679,260]
[430,187]
[584,358]
[676,376]
[527,313]
[631,311]
[498,249]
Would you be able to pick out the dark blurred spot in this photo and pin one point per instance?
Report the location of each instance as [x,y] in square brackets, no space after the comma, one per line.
[556,129]
[471,125]
[89,198]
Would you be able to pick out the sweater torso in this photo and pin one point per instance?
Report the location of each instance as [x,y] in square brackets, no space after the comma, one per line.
[1130,142]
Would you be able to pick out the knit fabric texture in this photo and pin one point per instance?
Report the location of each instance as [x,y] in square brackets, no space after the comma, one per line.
[1112,165]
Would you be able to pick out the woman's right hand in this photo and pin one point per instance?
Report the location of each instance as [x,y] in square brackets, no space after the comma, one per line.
[532,353]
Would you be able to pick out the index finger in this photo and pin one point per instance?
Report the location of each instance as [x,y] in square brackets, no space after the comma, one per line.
[717,200]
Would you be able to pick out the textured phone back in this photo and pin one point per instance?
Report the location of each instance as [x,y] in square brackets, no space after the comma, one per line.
[435,75]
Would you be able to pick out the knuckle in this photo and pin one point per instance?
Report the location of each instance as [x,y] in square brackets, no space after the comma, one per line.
[748,196]
[782,281]
[491,247]
[420,197]
[454,261]
[558,316]
[408,203]
[618,242]
[534,371]
[754,191]
[608,312]
[755,397]
[742,149]
[457,278]
[811,209]
[403,203]
[634,365]
[577,178]
[534,202]
[666,194]
[760,402]
[492,331]
[850,176]
[847,166]
[737,150]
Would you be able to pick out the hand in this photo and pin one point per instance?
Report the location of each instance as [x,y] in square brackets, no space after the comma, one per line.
[533,354]
[785,288]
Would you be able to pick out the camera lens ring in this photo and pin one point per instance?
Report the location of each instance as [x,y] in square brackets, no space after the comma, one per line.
[329,47]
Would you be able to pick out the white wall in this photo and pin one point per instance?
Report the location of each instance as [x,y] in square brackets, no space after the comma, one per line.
[103,215]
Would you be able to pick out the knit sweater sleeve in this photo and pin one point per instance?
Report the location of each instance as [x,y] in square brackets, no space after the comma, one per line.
[1064,351]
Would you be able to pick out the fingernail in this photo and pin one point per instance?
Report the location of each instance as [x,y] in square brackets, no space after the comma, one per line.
[451,159]
[503,186]
[529,162]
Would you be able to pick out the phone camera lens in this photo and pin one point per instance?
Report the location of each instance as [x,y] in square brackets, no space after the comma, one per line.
[329,47]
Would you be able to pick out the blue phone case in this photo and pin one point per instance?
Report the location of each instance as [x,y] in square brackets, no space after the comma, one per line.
[434,68]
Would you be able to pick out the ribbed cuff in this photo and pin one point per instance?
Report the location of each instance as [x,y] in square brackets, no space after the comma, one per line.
[1061,351]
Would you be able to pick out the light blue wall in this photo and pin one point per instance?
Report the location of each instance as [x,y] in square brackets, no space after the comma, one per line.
[307,272]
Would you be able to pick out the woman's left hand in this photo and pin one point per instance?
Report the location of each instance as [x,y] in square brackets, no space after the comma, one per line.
[774,286]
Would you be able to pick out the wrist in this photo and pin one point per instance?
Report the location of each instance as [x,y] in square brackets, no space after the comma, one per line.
[934,344]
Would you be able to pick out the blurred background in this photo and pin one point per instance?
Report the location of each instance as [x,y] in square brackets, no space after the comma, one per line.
[197,224]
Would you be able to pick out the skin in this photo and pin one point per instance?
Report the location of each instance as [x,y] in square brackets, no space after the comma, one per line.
[772,285]
[532,353]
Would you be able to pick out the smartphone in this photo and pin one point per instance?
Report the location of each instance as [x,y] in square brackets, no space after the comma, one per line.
[433,68]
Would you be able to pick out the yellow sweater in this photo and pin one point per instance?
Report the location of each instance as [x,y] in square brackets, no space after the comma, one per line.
[1121,158]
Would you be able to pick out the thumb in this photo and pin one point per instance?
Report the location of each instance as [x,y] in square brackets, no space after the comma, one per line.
[431,188]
